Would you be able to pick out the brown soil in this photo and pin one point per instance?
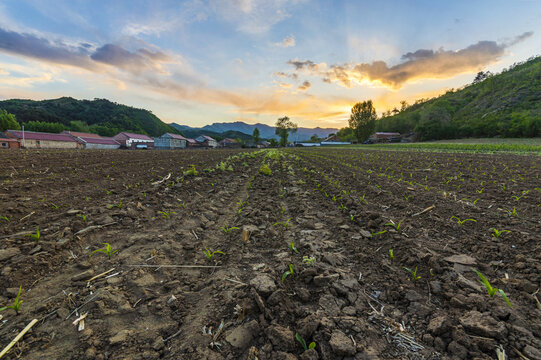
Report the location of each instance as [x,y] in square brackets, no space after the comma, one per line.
[164,299]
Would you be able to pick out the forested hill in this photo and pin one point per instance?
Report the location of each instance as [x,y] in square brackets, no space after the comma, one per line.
[507,104]
[98,116]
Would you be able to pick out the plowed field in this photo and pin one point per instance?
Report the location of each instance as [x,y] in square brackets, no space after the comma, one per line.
[367,254]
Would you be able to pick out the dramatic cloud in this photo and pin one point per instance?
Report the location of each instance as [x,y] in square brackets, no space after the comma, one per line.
[81,55]
[289,41]
[40,48]
[137,61]
[420,64]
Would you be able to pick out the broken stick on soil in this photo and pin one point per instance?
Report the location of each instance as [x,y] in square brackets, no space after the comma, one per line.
[92,227]
[425,210]
[18,337]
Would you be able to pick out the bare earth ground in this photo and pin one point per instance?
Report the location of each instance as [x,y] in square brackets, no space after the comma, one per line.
[163,298]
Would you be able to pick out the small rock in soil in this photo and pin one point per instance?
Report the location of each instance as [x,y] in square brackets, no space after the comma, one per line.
[310,354]
[281,337]
[242,336]
[458,350]
[532,352]
[341,344]
[483,325]
[120,337]
[322,280]
[307,326]
[85,275]
[8,253]
[264,284]
[461,259]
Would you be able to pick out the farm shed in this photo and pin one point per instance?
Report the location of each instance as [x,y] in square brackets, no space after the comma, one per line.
[229,143]
[134,141]
[98,143]
[191,143]
[8,143]
[170,141]
[39,140]
[206,141]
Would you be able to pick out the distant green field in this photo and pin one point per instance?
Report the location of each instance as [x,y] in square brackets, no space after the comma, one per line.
[531,145]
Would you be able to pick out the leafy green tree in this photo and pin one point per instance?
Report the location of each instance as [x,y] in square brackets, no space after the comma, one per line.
[363,119]
[284,126]
[346,134]
[8,121]
[273,142]
[256,136]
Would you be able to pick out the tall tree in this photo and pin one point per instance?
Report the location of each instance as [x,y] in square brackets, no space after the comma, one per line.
[284,126]
[363,119]
[256,136]
[8,121]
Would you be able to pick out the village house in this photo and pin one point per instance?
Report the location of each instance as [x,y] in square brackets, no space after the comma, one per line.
[39,140]
[8,143]
[134,141]
[98,143]
[192,144]
[170,141]
[229,143]
[206,141]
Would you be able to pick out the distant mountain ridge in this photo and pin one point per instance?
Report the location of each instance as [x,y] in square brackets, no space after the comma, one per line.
[265,131]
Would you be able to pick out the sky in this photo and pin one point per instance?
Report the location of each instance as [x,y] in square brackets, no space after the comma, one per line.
[197,62]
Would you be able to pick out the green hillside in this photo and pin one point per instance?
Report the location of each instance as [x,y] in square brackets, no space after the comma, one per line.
[98,116]
[507,105]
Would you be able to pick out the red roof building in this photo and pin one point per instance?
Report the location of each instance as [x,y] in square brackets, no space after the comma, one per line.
[98,143]
[39,140]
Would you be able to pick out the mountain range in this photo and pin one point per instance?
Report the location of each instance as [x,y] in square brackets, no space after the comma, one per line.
[265,131]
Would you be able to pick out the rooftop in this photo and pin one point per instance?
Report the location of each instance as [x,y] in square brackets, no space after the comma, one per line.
[32,135]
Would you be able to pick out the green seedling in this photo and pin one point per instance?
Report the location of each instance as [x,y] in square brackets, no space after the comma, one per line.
[363,200]
[283,210]
[391,255]
[108,192]
[413,273]
[303,343]
[107,250]
[308,260]
[5,218]
[480,191]
[497,233]
[293,248]
[183,204]
[209,254]
[36,235]
[461,222]
[512,212]
[16,303]
[394,225]
[491,290]
[265,169]
[54,206]
[285,224]
[227,229]
[352,217]
[374,234]
[191,171]
[87,198]
[82,217]
[166,214]
[407,198]
[287,273]
[119,205]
